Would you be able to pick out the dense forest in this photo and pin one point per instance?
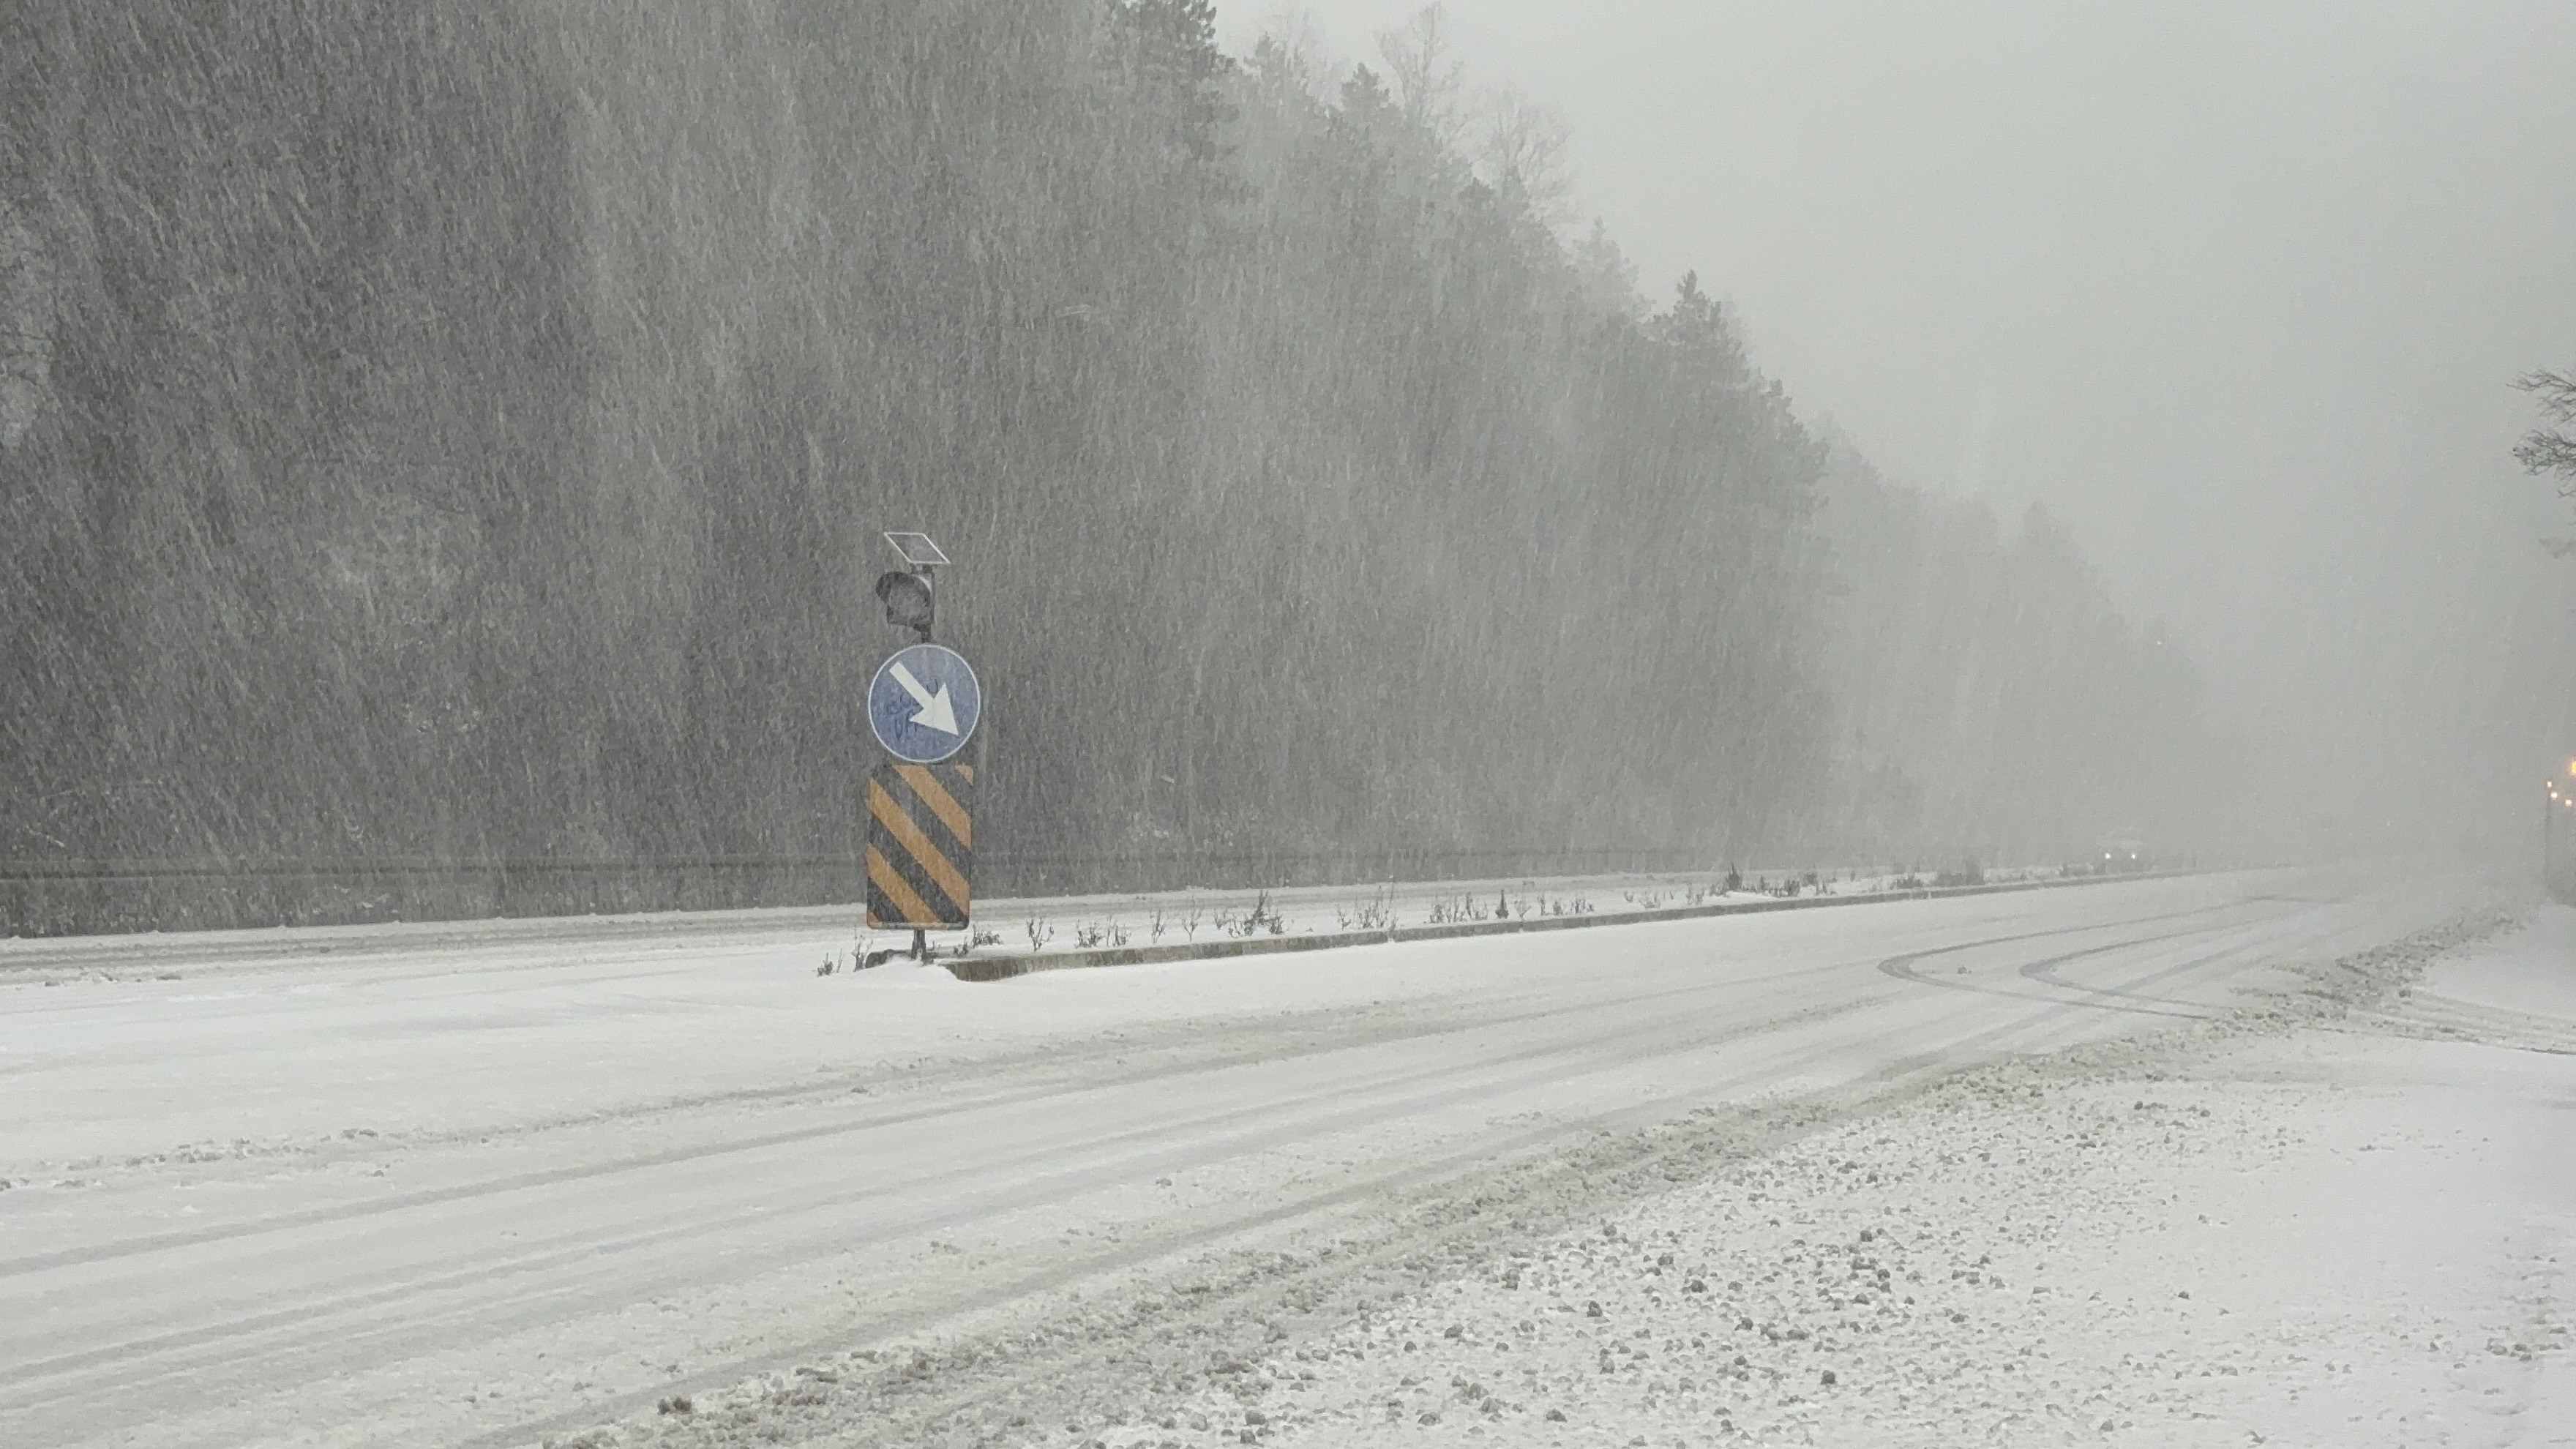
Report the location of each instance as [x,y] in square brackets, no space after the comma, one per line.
[459,434]
[1991,701]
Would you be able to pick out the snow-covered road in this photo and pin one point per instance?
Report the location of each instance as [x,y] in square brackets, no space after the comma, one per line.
[430,1187]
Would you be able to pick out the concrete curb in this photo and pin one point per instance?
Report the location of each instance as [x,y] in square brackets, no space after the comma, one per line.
[1003,968]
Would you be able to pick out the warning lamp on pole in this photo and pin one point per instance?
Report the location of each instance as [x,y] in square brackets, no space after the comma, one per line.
[906,593]
[907,601]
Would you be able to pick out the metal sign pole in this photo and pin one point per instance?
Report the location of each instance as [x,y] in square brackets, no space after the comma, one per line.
[921,632]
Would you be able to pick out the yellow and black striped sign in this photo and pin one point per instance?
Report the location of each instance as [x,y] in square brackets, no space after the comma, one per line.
[921,845]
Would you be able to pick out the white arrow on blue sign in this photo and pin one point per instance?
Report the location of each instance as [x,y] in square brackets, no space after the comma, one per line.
[924,703]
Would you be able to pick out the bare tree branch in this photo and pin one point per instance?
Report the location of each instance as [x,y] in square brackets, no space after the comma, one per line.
[1524,152]
[1426,76]
[2551,450]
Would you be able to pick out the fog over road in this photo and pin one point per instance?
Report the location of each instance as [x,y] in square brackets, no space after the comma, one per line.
[431,1193]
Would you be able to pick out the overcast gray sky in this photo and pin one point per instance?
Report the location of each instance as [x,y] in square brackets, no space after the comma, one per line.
[2237,289]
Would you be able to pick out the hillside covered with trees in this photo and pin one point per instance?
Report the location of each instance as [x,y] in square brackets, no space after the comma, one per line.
[460,433]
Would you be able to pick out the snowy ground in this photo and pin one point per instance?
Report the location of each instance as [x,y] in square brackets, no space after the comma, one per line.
[682,1188]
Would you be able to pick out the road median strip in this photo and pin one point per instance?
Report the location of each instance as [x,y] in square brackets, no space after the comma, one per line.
[1003,968]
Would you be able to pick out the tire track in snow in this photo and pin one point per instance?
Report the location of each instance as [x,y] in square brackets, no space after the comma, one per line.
[1903,968]
[432,1197]
[1619,1047]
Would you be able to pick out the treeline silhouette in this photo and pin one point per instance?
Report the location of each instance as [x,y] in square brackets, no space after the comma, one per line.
[458,434]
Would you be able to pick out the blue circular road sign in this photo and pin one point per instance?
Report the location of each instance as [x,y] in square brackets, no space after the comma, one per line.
[924,703]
